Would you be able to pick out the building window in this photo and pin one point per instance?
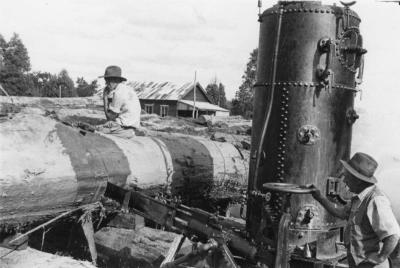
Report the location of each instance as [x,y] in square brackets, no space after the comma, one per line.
[149,108]
[163,110]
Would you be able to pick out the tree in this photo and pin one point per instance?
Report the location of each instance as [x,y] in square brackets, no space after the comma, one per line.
[44,84]
[16,65]
[84,89]
[216,93]
[242,104]
[66,84]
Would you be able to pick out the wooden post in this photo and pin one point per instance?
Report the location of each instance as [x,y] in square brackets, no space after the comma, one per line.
[87,226]
[194,95]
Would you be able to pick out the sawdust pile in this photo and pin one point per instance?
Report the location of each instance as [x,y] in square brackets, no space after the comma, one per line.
[33,258]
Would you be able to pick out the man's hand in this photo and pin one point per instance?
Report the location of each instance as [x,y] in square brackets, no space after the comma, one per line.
[332,208]
[316,193]
[375,258]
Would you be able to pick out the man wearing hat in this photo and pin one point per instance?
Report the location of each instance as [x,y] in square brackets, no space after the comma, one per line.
[372,232]
[121,105]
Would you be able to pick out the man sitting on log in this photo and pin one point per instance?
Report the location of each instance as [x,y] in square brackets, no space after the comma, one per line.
[121,105]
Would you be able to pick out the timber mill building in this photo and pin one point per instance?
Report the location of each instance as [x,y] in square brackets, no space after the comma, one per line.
[168,99]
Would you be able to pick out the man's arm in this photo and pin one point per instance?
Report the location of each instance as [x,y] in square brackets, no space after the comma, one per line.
[110,115]
[389,244]
[385,226]
[105,102]
[332,208]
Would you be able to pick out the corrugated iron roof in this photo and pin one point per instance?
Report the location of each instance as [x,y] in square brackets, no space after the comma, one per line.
[162,91]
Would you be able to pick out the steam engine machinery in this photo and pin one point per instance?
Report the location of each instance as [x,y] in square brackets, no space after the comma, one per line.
[310,61]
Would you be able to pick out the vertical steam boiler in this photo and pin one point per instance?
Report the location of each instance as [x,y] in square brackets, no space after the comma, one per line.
[310,61]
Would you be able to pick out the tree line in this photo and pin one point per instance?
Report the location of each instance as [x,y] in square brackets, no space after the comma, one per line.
[17,78]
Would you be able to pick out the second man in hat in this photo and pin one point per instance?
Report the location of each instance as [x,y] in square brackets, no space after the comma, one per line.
[372,232]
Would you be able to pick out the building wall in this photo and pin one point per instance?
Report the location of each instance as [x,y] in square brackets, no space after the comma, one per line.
[200,96]
[172,110]
[222,113]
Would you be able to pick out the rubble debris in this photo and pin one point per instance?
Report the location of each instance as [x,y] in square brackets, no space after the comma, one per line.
[144,247]
[228,124]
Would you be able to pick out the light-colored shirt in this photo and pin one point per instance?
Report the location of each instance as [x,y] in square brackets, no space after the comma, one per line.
[370,220]
[380,214]
[126,104]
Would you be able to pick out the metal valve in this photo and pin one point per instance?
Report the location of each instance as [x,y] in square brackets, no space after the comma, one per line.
[325,74]
[351,116]
[308,134]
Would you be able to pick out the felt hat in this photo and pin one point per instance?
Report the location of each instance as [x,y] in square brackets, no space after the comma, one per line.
[362,166]
[114,72]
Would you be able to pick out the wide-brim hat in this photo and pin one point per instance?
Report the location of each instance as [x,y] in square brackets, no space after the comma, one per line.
[113,71]
[362,166]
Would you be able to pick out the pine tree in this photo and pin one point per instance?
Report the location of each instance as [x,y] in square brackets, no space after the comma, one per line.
[66,84]
[216,93]
[242,104]
[16,65]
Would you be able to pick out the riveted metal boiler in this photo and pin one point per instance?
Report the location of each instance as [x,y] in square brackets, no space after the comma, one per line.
[310,61]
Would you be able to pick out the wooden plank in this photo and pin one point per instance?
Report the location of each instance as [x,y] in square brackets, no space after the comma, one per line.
[173,250]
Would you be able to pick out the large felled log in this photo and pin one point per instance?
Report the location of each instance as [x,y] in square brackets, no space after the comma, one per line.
[48,167]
